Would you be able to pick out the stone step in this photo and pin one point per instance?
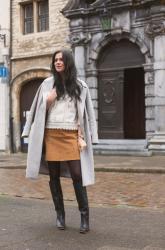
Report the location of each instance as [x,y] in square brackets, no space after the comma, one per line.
[122,144]
[124,141]
[122,147]
[122,152]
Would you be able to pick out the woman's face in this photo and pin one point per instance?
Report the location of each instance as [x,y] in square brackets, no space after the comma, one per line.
[59,63]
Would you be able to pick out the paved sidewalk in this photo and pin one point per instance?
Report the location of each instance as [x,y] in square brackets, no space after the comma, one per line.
[28,224]
[137,164]
[114,184]
[127,209]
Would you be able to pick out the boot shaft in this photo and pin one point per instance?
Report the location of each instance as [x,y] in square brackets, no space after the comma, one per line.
[81,196]
[82,200]
[57,195]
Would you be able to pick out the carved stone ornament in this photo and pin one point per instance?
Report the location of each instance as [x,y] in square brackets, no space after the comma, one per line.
[106,2]
[151,78]
[77,4]
[108,92]
[99,2]
[72,5]
[81,38]
[140,2]
[134,2]
[155,28]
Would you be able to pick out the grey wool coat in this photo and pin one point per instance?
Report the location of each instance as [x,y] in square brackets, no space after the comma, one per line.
[35,127]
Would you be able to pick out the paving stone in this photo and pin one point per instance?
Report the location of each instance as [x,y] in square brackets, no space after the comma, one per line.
[111,189]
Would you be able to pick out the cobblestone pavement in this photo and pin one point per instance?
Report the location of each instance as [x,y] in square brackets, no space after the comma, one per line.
[123,189]
[127,207]
[154,164]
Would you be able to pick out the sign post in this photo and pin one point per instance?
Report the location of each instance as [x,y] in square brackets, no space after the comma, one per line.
[3,72]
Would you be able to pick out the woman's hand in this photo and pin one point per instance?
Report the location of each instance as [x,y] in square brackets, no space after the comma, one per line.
[51,97]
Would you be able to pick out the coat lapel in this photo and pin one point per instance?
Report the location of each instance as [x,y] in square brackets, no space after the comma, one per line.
[48,84]
[81,103]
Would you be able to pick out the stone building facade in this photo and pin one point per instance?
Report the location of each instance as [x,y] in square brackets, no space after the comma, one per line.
[119,49]
[35,37]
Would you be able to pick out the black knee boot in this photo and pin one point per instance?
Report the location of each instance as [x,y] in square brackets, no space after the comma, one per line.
[56,191]
[82,199]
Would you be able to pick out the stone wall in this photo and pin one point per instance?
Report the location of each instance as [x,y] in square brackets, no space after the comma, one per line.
[26,47]
[24,64]
[31,54]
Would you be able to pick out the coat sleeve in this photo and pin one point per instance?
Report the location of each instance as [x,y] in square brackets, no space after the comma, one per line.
[91,117]
[31,115]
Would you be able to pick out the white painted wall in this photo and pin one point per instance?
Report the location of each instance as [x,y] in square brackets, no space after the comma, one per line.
[4,86]
[4,23]
[2,117]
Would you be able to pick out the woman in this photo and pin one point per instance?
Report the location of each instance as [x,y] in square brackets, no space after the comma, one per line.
[62,119]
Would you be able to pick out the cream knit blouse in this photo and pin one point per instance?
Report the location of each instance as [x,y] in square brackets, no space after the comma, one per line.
[63,114]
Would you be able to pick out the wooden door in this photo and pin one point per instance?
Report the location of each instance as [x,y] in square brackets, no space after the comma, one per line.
[117,106]
[110,115]
[134,104]
[27,94]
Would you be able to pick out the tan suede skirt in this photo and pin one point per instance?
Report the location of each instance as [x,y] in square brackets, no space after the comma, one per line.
[61,145]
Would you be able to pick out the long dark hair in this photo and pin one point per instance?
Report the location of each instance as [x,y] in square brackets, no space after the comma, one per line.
[70,76]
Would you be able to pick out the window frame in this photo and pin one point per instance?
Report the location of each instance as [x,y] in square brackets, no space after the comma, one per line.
[42,17]
[39,23]
[28,20]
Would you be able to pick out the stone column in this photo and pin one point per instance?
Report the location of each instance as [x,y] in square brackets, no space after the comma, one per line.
[80,61]
[79,42]
[92,81]
[157,142]
[149,100]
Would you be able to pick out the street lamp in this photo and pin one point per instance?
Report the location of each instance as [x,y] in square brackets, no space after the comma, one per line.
[105,18]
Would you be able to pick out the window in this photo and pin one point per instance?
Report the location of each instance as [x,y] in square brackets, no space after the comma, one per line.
[28,18]
[35,16]
[43,16]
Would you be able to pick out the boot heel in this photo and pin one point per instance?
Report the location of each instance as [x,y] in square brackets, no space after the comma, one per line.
[60,222]
[84,227]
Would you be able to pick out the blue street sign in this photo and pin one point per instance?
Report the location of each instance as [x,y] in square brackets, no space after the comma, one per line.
[3,72]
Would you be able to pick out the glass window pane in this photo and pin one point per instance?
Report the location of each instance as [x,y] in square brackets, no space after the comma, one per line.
[28,19]
[43,16]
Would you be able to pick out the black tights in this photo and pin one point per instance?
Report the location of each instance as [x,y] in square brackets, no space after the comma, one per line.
[74,168]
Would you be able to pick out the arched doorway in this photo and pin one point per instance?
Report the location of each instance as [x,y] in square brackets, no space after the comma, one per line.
[27,94]
[121,91]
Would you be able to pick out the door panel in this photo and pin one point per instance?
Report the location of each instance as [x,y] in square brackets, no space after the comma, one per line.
[110,118]
[134,104]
